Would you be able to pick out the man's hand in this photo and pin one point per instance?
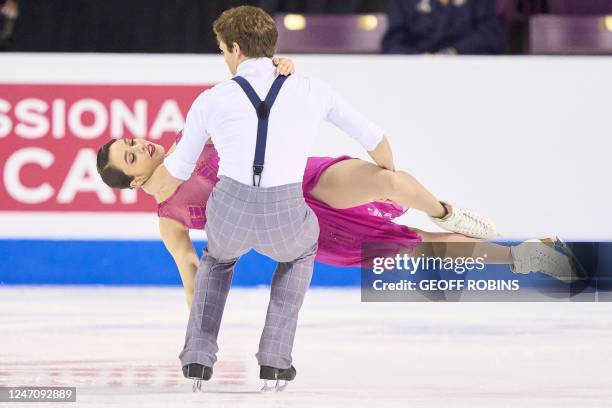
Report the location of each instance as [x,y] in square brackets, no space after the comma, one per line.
[382,154]
[284,66]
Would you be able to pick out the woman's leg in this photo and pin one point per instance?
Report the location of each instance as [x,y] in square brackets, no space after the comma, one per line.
[354,182]
[527,257]
[448,244]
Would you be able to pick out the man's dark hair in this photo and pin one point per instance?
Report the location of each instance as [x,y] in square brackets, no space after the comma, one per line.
[112,176]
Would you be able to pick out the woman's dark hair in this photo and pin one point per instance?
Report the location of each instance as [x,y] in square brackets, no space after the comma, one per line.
[112,176]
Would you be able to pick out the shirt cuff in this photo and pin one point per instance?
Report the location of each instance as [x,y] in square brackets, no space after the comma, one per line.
[371,137]
[177,168]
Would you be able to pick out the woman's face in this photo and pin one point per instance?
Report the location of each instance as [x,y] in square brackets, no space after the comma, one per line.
[137,158]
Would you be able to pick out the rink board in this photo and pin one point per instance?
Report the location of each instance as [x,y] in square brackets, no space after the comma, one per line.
[523,140]
[146,262]
[78,262]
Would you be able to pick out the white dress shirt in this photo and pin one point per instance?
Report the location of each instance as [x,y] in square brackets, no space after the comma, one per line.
[225,114]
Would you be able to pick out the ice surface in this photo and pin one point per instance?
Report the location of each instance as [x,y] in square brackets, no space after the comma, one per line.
[119,347]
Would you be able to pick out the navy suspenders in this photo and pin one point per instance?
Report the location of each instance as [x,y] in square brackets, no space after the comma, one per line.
[263,112]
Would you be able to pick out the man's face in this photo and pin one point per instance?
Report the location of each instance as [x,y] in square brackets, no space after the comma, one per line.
[136,157]
[232,57]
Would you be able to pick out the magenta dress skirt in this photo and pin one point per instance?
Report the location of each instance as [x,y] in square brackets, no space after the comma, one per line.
[343,231]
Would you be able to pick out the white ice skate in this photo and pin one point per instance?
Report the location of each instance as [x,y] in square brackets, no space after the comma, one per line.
[466,222]
[554,258]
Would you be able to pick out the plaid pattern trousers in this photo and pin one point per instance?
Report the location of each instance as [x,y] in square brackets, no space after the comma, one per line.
[276,222]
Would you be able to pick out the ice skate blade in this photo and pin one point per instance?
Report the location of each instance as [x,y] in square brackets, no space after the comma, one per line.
[277,386]
[197,385]
[281,385]
[581,273]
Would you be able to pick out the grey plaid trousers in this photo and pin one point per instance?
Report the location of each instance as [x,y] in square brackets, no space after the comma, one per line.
[276,222]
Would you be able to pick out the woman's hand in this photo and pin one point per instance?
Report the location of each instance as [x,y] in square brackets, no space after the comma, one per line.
[284,66]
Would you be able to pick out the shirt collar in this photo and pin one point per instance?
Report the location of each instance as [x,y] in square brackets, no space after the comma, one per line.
[254,66]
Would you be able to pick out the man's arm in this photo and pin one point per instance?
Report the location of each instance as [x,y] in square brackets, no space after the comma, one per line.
[182,161]
[382,155]
[161,180]
[177,241]
[357,126]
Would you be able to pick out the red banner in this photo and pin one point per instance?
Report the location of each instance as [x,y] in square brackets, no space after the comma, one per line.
[49,136]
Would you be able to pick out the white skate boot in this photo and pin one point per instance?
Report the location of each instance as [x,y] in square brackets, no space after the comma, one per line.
[466,222]
[542,256]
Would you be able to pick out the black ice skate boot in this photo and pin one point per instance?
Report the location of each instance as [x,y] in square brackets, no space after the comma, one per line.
[197,372]
[280,376]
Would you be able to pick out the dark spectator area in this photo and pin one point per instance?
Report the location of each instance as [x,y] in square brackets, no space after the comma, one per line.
[556,27]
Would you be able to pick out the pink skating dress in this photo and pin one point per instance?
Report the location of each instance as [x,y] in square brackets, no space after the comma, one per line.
[342,230]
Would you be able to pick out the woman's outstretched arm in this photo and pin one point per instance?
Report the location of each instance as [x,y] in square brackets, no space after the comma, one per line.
[176,239]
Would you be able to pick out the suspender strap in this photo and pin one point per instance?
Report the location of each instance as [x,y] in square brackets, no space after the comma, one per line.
[263,113]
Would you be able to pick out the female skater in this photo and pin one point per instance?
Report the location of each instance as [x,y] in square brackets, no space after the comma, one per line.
[355,202]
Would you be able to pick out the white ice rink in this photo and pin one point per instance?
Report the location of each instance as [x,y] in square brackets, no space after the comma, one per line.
[119,347]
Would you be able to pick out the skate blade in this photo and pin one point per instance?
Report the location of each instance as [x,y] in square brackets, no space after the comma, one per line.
[581,273]
[281,385]
[197,385]
[560,246]
[271,386]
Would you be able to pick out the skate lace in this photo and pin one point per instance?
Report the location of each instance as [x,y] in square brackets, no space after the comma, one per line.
[540,261]
[474,224]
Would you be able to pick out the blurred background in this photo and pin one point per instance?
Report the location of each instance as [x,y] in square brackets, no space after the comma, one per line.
[498,105]
[315,26]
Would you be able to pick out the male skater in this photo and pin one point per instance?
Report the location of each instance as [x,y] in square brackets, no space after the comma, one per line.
[258,205]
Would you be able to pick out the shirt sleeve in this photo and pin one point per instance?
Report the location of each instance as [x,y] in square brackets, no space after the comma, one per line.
[182,161]
[347,119]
